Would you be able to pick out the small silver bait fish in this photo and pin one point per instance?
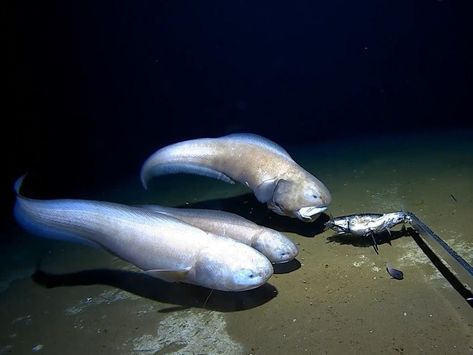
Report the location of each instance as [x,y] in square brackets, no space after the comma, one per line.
[367,224]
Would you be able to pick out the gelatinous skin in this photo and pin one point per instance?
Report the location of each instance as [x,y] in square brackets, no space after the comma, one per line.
[162,246]
[256,162]
[274,245]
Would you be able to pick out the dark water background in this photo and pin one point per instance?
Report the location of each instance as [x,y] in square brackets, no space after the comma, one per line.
[373,97]
[95,87]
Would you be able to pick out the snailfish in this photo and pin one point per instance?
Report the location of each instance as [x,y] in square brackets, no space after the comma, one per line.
[258,163]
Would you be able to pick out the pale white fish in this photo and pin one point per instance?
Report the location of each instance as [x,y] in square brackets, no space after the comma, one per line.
[162,246]
[258,163]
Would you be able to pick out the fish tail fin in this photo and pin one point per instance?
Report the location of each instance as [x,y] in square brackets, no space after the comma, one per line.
[35,217]
[196,156]
[19,183]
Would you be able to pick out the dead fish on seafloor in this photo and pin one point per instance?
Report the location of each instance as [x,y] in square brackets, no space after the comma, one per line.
[367,224]
[395,274]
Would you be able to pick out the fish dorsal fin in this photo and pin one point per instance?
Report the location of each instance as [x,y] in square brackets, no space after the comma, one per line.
[264,191]
[260,141]
[170,275]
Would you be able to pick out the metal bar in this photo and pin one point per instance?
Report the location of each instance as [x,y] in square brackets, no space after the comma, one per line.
[462,270]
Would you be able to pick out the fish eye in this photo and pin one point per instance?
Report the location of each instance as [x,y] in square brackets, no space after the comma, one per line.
[311,194]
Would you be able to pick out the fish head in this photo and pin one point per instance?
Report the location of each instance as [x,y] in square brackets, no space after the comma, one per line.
[337,225]
[275,246]
[301,197]
[231,266]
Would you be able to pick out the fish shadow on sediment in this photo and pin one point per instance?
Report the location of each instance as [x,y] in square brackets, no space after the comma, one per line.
[363,242]
[181,295]
[249,207]
[286,268]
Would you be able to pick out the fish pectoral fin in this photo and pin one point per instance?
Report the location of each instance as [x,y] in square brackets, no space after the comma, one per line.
[175,275]
[264,191]
[375,244]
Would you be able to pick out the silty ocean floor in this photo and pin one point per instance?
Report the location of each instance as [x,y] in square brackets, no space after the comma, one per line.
[59,298]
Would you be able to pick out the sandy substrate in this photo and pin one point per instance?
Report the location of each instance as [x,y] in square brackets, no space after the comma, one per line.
[336,297]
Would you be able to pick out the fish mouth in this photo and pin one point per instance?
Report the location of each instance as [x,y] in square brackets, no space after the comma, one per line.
[258,280]
[284,257]
[309,214]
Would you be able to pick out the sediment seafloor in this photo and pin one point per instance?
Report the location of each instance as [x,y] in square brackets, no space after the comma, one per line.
[337,297]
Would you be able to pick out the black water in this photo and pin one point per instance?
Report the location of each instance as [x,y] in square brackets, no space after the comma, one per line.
[372,97]
[97,86]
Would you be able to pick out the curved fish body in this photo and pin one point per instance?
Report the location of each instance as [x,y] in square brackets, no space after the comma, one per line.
[162,246]
[274,245]
[260,164]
